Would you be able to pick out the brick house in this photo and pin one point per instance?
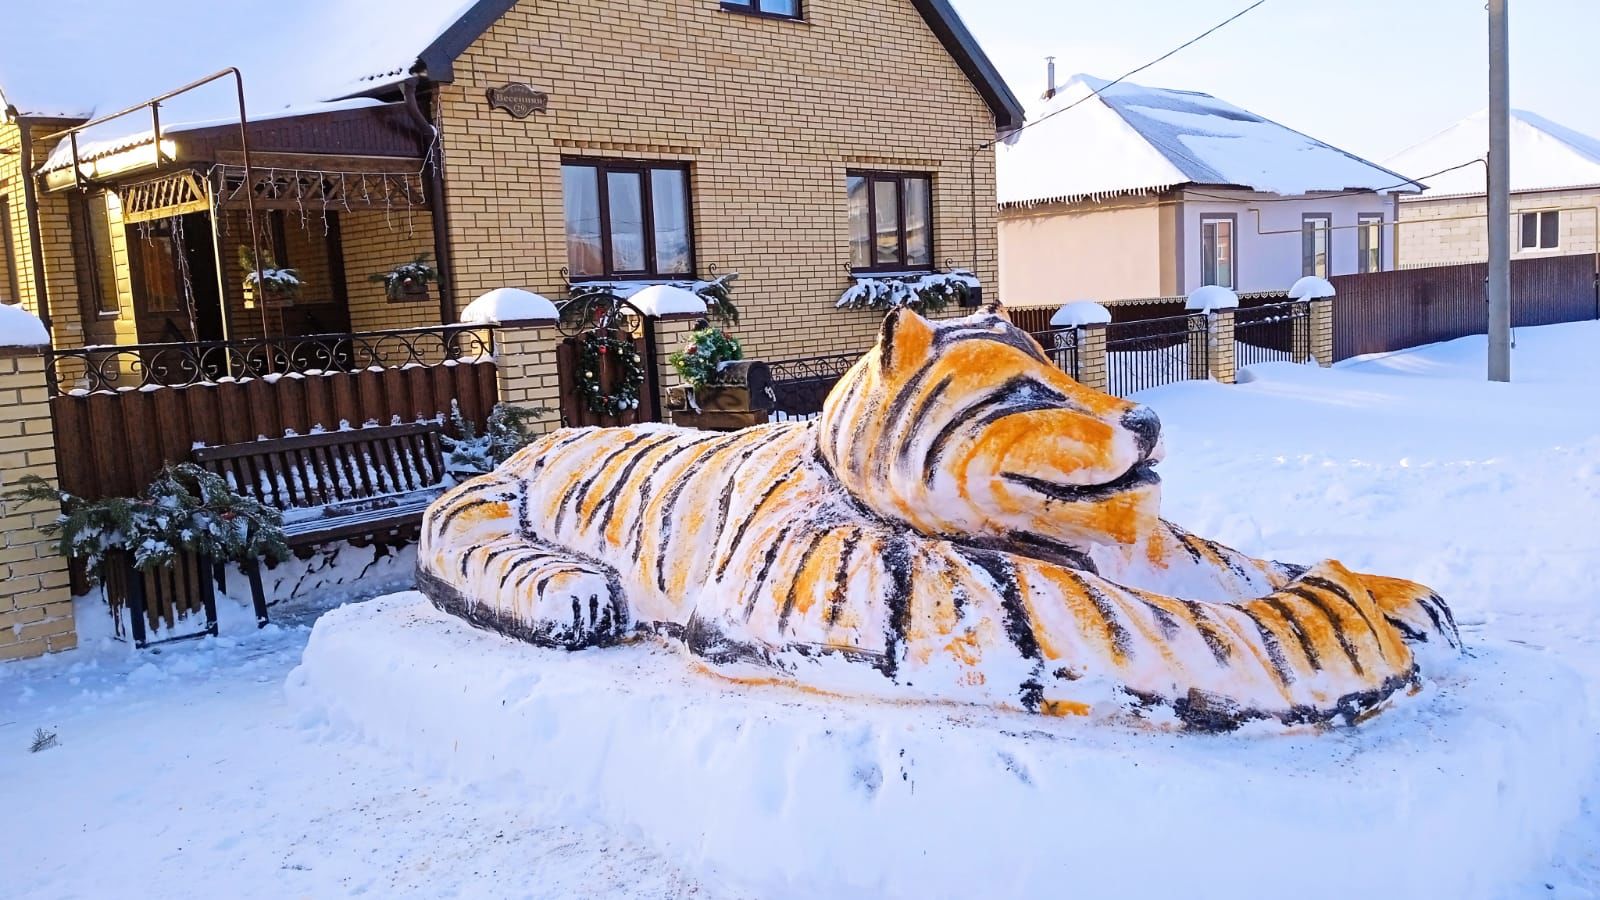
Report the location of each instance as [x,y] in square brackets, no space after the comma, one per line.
[519,144]
[1555,193]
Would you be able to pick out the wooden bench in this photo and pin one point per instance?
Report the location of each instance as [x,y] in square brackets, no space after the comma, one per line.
[369,483]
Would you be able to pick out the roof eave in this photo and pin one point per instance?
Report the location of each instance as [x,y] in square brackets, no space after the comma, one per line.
[975,64]
[437,60]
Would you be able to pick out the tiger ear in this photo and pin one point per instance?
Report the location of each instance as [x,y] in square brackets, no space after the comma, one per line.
[994,308]
[904,338]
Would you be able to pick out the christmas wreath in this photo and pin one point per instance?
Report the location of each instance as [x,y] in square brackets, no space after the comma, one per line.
[595,349]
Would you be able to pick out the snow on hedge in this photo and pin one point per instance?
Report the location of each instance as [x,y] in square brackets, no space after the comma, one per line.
[1210,297]
[1080,313]
[20,328]
[503,305]
[668,300]
[1454,793]
[1311,288]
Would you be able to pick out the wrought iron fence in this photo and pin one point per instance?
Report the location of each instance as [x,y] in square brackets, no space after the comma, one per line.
[1151,352]
[135,366]
[800,385]
[1271,333]
[1061,345]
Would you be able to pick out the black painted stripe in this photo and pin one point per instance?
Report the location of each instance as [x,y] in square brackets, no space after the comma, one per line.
[840,592]
[771,556]
[579,489]
[1017,390]
[1163,619]
[636,535]
[1209,632]
[1298,630]
[1121,637]
[897,563]
[919,415]
[608,501]
[778,484]
[1337,590]
[795,576]
[1317,600]
[1014,612]
[1269,642]
[1183,541]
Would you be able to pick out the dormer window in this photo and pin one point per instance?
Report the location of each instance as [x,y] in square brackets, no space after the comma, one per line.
[777,9]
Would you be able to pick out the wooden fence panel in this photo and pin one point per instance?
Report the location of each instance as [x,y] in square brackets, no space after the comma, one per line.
[1385,311]
[112,444]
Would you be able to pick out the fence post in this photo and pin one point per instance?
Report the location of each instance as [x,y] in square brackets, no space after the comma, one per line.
[525,368]
[1092,363]
[35,600]
[1320,330]
[1221,351]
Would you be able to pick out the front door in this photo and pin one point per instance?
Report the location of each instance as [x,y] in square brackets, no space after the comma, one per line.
[174,273]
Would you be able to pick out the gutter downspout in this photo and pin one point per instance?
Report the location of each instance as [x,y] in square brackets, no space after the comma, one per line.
[433,151]
[30,206]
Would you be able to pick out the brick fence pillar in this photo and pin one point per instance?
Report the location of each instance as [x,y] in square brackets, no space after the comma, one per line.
[1223,362]
[1320,330]
[35,600]
[669,333]
[525,362]
[1092,359]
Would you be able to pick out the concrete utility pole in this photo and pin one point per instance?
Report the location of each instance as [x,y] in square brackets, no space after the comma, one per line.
[1499,195]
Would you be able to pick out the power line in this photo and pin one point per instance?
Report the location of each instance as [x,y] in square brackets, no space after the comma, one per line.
[1131,72]
[1418,180]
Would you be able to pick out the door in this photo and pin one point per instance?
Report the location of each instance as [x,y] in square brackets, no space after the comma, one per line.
[173,265]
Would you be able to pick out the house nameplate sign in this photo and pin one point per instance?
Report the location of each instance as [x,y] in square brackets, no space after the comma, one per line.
[518,99]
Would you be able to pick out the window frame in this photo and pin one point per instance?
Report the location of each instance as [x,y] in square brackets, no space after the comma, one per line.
[643,168]
[899,178]
[1233,246]
[8,255]
[753,8]
[1538,245]
[96,302]
[1362,221]
[1306,233]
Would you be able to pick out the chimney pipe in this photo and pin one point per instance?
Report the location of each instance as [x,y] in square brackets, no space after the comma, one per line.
[1050,77]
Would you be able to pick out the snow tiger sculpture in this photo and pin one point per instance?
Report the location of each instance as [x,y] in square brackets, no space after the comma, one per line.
[964,523]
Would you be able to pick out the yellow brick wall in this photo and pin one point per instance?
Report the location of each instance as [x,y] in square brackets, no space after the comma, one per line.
[376,241]
[54,233]
[769,114]
[35,601]
[1451,230]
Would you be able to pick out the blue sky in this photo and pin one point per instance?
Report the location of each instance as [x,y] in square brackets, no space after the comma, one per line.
[1370,76]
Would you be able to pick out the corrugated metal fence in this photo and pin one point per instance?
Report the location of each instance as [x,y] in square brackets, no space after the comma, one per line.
[1386,311]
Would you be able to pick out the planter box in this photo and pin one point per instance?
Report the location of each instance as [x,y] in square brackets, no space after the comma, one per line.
[719,420]
[268,300]
[408,293]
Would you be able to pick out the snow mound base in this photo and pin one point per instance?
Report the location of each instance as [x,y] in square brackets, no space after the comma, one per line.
[503,305]
[799,795]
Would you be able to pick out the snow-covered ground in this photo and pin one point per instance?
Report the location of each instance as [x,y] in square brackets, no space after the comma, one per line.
[190,772]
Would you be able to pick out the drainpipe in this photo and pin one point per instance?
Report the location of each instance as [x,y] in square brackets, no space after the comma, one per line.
[30,207]
[433,151]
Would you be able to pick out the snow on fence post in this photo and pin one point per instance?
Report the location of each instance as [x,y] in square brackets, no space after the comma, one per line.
[1313,332]
[525,341]
[35,599]
[673,312]
[1211,349]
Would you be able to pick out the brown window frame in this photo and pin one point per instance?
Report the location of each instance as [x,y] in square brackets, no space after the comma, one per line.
[1363,220]
[8,254]
[96,303]
[753,8]
[643,167]
[137,236]
[899,178]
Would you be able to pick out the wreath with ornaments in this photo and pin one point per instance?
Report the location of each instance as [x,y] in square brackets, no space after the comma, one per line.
[596,349]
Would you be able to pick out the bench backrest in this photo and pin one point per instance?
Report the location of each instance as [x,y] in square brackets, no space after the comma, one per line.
[331,467]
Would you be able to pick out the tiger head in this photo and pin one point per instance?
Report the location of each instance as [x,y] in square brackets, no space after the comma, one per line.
[966,430]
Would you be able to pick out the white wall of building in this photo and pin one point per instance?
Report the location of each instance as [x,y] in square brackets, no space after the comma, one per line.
[1269,261]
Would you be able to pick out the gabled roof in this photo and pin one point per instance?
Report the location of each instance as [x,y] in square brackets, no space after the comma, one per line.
[1544,155]
[1132,139]
[79,58]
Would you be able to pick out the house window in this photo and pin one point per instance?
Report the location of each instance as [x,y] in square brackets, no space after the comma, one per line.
[891,221]
[1315,230]
[780,9]
[1541,230]
[627,219]
[1216,250]
[8,261]
[97,275]
[1369,242]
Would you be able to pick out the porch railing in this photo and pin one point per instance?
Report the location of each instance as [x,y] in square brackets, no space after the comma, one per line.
[800,385]
[126,367]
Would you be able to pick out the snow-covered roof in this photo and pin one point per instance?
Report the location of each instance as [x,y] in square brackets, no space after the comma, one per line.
[1134,139]
[1544,155]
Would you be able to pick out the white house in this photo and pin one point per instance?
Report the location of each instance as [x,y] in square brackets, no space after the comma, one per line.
[1555,192]
[1138,192]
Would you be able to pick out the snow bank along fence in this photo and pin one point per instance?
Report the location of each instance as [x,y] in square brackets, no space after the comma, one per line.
[1384,311]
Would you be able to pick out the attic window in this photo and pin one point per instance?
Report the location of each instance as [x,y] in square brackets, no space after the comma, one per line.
[776,9]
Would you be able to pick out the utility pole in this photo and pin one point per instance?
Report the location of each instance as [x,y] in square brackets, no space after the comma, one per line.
[1499,195]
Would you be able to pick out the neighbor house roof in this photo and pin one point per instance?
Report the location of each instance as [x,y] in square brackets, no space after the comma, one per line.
[1544,155]
[1131,139]
[75,59]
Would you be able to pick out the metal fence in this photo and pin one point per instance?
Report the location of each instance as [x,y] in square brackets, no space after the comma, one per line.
[1271,333]
[1061,345]
[800,385]
[1152,352]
